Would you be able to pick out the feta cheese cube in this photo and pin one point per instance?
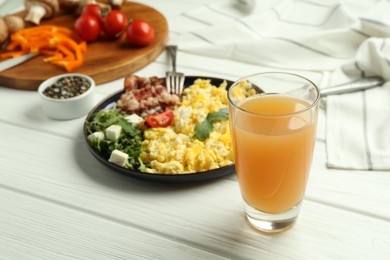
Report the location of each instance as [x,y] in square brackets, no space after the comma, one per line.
[134,118]
[118,157]
[96,136]
[113,132]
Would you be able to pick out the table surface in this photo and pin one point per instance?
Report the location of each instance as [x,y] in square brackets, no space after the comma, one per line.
[58,202]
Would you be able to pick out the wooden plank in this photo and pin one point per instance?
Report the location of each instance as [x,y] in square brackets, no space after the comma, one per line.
[105,59]
[33,228]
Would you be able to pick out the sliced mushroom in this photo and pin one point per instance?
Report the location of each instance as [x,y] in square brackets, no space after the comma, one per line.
[3,30]
[14,23]
[38,9]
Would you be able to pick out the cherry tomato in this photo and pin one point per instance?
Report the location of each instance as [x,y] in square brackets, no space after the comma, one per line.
[87,27]
[94,10]
[161,120]
[140,33]
[115,23]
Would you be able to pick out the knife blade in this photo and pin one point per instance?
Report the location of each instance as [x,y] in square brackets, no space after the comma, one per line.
[12,62]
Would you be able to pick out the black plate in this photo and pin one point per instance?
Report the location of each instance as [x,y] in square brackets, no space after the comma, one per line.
[185,177]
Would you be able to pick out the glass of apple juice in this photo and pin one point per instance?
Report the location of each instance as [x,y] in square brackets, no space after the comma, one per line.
[273,121]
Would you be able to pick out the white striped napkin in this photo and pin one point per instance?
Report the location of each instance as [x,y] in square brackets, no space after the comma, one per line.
[332,36]
[358,124]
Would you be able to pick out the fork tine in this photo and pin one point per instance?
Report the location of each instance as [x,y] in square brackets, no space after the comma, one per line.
[168,82]
[174,80]
[177,85]
[181,84]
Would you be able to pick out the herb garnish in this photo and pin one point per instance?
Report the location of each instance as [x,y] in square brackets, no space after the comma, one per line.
[203,130]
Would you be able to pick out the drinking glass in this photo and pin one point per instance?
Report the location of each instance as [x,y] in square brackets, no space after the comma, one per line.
[273,121]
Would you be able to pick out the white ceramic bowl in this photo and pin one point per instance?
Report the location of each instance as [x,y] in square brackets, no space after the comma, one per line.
[68,108]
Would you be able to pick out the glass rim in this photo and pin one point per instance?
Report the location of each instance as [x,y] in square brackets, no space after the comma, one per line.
[311,106]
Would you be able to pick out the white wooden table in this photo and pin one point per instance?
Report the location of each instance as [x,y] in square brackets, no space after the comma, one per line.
[58,202]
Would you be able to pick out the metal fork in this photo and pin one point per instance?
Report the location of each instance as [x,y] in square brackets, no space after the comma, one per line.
[174,80]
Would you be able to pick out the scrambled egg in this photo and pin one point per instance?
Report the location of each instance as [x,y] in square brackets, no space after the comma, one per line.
[174,150]
[244,89]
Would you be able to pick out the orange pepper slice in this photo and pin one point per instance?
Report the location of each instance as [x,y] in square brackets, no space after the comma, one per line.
[55,42]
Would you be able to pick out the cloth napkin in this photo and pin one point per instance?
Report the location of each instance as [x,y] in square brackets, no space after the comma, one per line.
[358,124]
[343,41]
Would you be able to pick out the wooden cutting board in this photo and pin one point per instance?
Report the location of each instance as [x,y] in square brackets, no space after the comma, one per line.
[105,60]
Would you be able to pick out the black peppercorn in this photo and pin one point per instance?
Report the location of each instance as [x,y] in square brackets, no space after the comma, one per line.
[67,87]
